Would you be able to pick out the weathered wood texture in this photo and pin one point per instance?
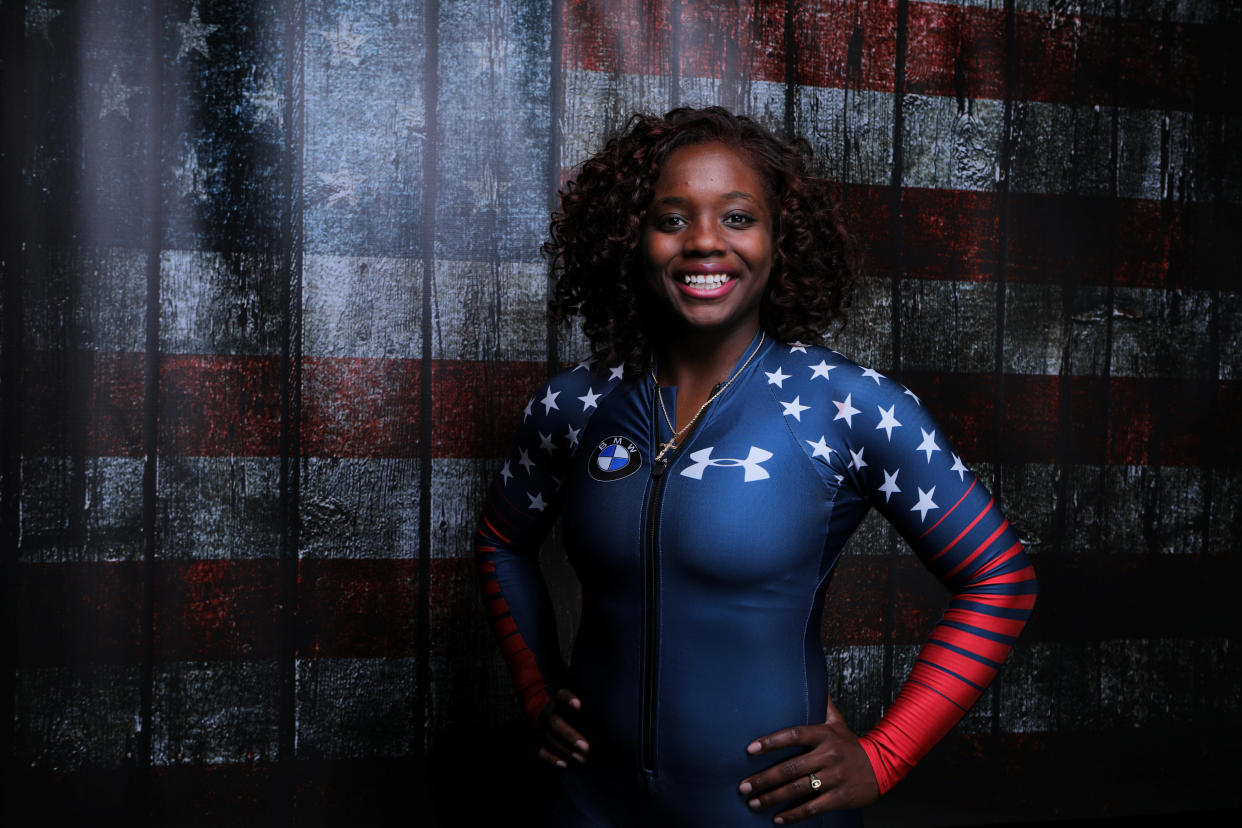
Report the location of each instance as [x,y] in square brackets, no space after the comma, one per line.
[272,303]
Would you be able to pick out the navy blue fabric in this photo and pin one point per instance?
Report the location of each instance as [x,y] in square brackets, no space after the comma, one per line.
[701,608]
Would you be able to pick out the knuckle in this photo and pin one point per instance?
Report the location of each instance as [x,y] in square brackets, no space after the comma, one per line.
[791,768]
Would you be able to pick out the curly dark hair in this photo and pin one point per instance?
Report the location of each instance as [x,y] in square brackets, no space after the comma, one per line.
[594,246]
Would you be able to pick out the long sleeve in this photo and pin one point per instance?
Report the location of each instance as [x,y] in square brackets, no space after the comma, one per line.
[885,450]
[521,506]
[901,462]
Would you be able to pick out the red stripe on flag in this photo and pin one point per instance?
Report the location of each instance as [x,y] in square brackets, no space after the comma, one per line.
[1051,239]
[220,410]
[955,51]
[225,610]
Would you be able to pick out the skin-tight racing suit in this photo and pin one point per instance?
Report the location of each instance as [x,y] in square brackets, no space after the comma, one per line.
[703,579]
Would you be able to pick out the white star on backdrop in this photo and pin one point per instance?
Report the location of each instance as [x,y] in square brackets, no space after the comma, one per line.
[917,401]
[572,436]
[192,179]
[536,501]
[524,460]
[797,347]
[588,401]
[505,473]
[545,443]
[616,372]
[487,191]
[846,410]
[959,467]
[925,503]
[549,401]
[777,377]
[526,410]
[267,101]
[820,448]
[929,443]
[114,95]
[38,15]
[194,35]
[584,365]
[342,184]
[794,409]
[856,459]
[868,372]
[887,421]
[890,484]
[344,42]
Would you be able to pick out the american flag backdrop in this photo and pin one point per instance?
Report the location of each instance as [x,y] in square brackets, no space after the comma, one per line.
[272,304]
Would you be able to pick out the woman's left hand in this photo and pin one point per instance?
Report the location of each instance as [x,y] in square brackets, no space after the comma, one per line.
[833,755]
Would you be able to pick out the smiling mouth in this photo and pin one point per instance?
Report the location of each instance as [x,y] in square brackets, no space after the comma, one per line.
[705,281]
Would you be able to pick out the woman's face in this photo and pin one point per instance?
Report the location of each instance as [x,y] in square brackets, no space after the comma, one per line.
[708,240]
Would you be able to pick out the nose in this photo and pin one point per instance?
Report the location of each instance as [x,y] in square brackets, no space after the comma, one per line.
[704,238]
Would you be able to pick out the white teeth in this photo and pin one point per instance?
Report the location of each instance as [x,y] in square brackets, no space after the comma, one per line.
[706,281]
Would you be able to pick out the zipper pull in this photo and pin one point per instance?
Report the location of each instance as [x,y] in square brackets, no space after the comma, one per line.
[659,467]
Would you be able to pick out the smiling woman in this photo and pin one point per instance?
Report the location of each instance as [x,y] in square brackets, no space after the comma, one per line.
[711,464]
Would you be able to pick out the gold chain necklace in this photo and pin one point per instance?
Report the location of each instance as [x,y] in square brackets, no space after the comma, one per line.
[671,445]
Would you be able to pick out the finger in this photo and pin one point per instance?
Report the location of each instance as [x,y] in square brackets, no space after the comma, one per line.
[777,775]
[818,805]
[799,788]
[566,696]
[551,758]
[566,733]
[799,735]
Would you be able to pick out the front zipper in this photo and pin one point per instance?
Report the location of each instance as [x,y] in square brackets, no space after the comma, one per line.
[652,644]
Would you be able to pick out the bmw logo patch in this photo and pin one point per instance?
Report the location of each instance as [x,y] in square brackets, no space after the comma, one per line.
[613,459]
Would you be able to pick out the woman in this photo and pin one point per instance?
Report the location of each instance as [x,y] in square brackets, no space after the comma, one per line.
[710,469]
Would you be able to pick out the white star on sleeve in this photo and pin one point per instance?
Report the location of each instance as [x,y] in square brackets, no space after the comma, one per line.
[777,377]
[845,410]
[795,408]
[505,473]
[821,370]
[959,467]
[929,443]
[545,443]
[536,501]
[887,421]
[925,504]
[797,347]
[524,460]
[869,372]
[572,436]
[917,401]
[856,459]
[526,410]
[549,401]
[588,401]
[820,448]
[616,372]
[890,484]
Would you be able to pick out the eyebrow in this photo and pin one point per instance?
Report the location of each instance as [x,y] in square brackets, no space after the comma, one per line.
[729,196]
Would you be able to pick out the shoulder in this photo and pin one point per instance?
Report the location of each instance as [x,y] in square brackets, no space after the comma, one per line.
[823,377]
[570,397]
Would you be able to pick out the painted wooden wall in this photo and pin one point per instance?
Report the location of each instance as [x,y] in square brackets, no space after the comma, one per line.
[272,302]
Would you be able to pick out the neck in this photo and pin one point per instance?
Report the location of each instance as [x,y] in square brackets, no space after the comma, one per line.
[702,359]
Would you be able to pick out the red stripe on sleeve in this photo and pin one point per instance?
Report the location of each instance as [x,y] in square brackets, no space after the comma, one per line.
[951,508]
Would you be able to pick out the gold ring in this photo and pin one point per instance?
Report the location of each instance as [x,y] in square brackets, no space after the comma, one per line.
[815,782]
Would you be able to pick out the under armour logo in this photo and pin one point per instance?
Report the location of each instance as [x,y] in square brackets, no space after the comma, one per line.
[703,458]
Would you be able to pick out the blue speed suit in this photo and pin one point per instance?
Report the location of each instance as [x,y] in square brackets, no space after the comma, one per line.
[703,580]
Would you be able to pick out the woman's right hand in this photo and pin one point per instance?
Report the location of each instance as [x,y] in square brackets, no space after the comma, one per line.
[559,741]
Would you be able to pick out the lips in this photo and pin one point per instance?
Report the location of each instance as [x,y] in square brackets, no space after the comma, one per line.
[706,285]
